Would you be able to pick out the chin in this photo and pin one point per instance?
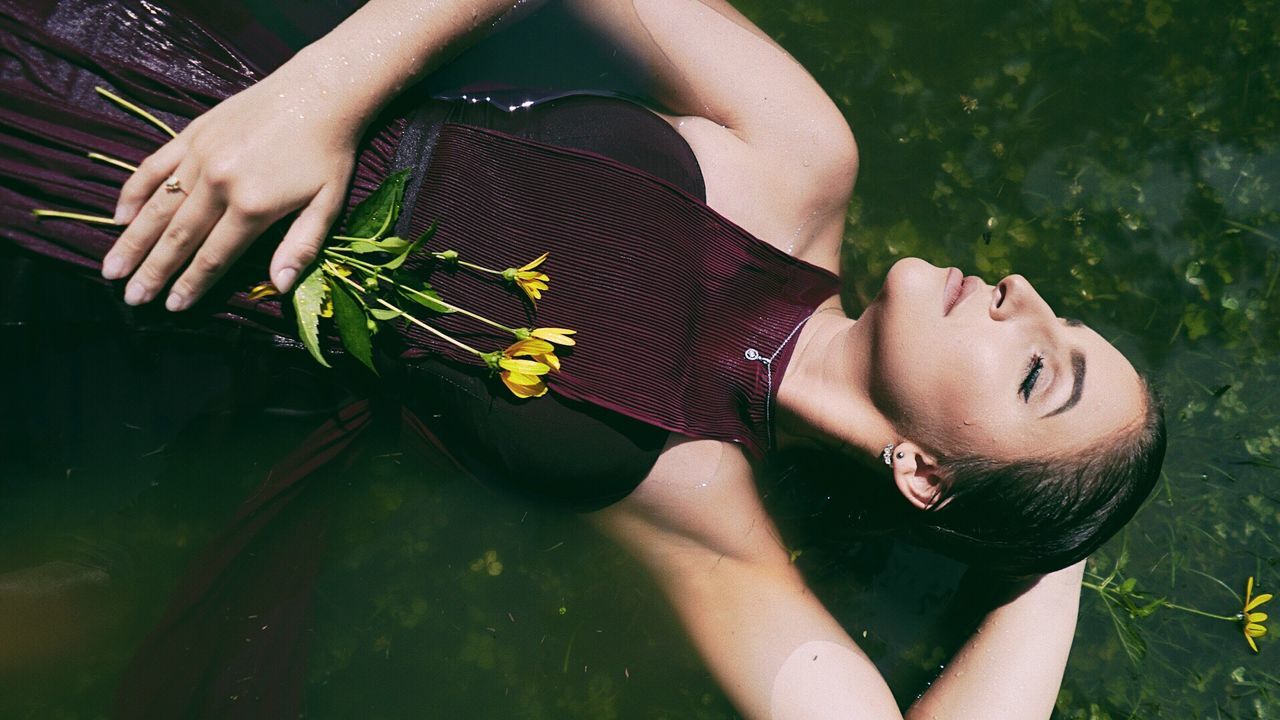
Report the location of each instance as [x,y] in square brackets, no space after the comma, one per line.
[913,280]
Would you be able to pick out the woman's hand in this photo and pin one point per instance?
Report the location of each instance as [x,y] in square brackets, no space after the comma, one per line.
[273,148]
[287,143]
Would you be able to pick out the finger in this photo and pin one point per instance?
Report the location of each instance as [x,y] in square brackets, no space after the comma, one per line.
[142,184]
[184,234]
[305,237]
[141,234]
[233,233]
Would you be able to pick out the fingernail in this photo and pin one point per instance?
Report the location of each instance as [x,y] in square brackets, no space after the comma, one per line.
[286,279]
[118,218]
[135,294]
[113,267]
[175,303]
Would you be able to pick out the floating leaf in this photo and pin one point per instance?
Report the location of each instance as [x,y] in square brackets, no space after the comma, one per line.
[353,326]
[378,212]
[307,299]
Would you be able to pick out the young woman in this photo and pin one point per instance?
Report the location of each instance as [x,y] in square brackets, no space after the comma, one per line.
[707,236]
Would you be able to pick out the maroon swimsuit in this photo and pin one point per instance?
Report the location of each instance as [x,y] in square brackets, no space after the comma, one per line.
[685,320]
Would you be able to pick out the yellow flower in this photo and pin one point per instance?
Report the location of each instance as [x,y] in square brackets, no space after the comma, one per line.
[524,377]
[529,280]
[1253,621]
[261,290]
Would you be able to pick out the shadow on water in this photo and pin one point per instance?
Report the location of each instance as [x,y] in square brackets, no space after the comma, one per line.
[1121,155]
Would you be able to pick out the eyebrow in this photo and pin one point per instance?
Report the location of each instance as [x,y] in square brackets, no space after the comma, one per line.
[1077,384]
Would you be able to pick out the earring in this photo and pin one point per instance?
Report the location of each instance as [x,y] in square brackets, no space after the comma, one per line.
[887,454]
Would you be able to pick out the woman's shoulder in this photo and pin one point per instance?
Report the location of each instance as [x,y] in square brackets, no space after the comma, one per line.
[699,495]
[790,191]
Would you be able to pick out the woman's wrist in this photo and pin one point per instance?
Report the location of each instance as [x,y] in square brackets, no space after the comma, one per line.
[356,69]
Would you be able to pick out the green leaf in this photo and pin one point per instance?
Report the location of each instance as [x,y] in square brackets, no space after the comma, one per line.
[428,298]
[385,314]
[307,299]
[388,245]
[378,212]
[353,326]
[399,259]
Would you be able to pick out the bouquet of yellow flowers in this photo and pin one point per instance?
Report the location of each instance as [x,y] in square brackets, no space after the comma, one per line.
[357,283]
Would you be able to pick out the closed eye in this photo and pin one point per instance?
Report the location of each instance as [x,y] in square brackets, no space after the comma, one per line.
[1033,374]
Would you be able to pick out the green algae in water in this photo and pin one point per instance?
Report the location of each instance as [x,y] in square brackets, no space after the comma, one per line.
[1122,155]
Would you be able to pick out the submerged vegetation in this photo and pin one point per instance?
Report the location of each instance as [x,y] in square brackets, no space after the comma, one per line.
[1120,154]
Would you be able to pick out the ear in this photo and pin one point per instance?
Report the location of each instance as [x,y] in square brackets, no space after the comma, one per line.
[915,472]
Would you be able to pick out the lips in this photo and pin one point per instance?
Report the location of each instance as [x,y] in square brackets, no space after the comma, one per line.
[957,288]
[952,289]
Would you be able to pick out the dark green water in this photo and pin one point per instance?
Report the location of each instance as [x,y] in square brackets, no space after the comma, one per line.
[1122,155]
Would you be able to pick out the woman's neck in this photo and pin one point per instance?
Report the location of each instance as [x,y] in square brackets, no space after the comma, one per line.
[823,399]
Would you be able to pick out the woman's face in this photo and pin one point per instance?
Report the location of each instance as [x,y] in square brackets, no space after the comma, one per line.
[965,368]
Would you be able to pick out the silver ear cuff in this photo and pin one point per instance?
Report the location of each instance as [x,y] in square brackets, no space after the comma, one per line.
[887,454]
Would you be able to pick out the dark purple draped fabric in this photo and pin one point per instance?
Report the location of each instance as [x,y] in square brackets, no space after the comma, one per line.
[667,294]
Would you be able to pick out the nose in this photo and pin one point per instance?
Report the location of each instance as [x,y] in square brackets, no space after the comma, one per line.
[1013,297]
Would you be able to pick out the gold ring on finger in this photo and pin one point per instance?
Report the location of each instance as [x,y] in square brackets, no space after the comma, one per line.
[173,185]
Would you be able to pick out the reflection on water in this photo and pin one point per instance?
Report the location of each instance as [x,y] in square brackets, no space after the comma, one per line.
[1121,155]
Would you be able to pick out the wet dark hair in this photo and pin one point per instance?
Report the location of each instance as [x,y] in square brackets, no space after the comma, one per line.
[1036,516]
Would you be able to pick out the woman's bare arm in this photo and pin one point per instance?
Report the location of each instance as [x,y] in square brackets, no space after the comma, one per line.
[778,157]
[698,525]
[285,144]
[1013,665]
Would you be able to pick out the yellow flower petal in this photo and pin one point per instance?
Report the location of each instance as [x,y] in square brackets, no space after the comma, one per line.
[551,360]
[528,347]
[525,367]
[262,290]
[522,390]
[1255,630]
[1265,597]
[1256,617]
[535,263]
[559,336]
[521,378]
[1252,644]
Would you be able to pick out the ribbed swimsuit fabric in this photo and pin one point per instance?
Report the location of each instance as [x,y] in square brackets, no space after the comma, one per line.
[677,308]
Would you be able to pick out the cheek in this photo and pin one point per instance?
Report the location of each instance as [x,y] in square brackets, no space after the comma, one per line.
[951,400]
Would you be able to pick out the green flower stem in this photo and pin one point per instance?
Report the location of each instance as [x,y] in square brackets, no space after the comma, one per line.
[473,266]
[407,316]
[118,163]
[135,109]
[373,270]
[1110,589]
[73,216]
[1228,618]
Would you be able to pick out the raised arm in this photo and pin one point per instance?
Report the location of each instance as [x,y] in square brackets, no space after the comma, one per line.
[698,525]
[287,143]
[1012,666]
[284,144]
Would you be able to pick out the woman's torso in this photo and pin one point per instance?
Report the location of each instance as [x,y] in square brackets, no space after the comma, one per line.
[582,456]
